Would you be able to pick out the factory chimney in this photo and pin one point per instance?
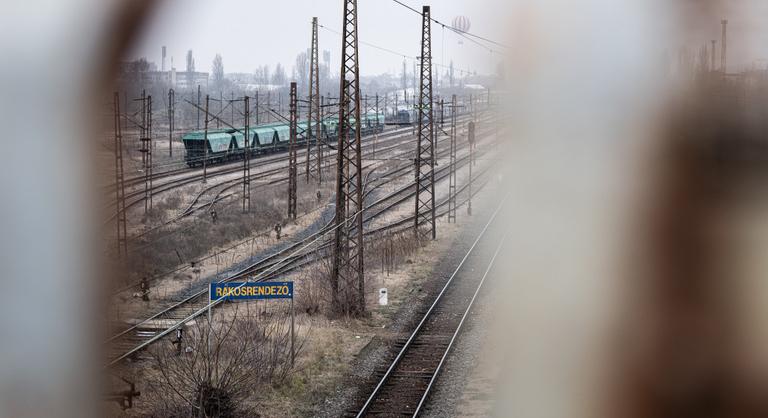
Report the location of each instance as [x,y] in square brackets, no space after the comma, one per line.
[162,62]
[723,46]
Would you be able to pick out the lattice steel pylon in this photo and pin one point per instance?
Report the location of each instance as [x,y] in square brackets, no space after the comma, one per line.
[452,175]
[121,218]
[347,268]
[314,151]
[424,221]
[247,156]
[171,119]
[292,164]
[145,137]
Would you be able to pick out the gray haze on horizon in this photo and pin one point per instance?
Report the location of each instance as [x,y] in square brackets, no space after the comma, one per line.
[254,33]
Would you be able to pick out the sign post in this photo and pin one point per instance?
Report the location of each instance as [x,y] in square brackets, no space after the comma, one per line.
[250,291]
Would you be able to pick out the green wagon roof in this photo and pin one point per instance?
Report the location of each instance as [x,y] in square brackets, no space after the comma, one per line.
[220,141]
[264,135]
[283,133]
[199,135]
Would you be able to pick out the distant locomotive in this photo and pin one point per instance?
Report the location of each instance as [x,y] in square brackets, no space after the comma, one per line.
[405,117]
[229,144]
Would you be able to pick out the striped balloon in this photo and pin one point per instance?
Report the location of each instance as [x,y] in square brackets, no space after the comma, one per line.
[461,23]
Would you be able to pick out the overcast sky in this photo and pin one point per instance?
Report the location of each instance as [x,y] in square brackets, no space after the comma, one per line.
[250,33]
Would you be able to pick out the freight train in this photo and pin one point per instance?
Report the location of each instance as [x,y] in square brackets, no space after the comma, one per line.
[229,144]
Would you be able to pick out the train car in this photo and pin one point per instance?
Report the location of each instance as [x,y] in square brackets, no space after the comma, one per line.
[374,123]
[264,139]
[371,123]
[221,146]
[283,136]
[229,144]
[405,117]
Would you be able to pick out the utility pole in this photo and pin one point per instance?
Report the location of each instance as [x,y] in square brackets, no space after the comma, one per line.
[125,107]
[247,158]
[205,140]
[146,148]
[148,171]
[143,128]
[472,106]
[348,237]
[321,138]
[258,109]
[171,116]
[471,140]
[376,130]
[292,164]
[314,111]
[442,113]
[425,150]
[405,81]
[122,237]
[397,104]
[221,109]
[386,106]
[723,46]
[198,107]
[452,175]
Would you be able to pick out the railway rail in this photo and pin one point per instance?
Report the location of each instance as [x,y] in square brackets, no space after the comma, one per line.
[398,136]
[184,176]
[399,196]
[128,342]
[265,178]
[403,389]
[188,175]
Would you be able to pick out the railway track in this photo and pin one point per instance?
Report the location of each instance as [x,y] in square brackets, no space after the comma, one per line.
[396,198]
[190,175]
[216,192]
[404,386]
[210,195]
[128,342]
[184,176]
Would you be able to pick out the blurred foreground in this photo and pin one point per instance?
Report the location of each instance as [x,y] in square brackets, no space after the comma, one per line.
[634,285]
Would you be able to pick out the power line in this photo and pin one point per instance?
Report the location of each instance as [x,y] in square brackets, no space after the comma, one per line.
[462,33]
[400,54]
[372,45]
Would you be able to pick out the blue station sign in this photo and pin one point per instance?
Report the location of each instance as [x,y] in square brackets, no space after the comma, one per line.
[246,290]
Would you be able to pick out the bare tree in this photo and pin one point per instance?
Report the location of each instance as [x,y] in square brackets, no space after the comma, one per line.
[302,71]
[279,77]
[216,369]
[217,70]
[265,74]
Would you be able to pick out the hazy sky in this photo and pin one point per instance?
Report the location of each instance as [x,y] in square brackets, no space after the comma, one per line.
[250,33]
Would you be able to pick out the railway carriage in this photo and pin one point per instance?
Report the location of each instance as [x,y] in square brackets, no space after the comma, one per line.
[264,137]
[229,144]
